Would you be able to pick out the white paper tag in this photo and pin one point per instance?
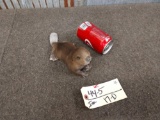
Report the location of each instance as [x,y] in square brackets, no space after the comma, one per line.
[102,94]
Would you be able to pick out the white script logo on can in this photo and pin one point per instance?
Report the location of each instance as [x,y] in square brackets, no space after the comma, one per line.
[95,37]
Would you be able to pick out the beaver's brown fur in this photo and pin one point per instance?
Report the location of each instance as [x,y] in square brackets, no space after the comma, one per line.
[77,59]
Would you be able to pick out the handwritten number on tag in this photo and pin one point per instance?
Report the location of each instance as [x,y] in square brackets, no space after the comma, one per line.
[107,99]
[113,96]
[110,98]
[92,93]
[100,91]
[95,93]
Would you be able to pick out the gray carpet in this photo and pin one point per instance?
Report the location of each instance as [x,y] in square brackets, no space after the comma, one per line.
[6,20]
[34,88]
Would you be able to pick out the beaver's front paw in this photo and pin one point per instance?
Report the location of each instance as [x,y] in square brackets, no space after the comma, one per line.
[83,74]
[86,68]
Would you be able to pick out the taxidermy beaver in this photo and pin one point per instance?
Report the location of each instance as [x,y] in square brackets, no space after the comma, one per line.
[77,59]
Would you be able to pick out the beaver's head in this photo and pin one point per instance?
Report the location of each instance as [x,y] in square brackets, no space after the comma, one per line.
[82,56]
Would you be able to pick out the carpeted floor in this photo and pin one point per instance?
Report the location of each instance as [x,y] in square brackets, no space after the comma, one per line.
[34,88]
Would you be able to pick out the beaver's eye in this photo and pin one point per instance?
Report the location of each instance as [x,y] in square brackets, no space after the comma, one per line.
[78,58]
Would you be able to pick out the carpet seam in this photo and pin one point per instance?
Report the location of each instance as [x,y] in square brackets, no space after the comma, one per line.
[3,51]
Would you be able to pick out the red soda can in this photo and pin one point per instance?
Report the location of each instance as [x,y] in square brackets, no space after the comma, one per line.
[95,37]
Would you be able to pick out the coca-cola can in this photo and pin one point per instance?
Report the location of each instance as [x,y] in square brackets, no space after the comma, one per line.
[95,37]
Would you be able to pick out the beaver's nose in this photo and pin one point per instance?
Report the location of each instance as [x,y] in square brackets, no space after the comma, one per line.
[89,58]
